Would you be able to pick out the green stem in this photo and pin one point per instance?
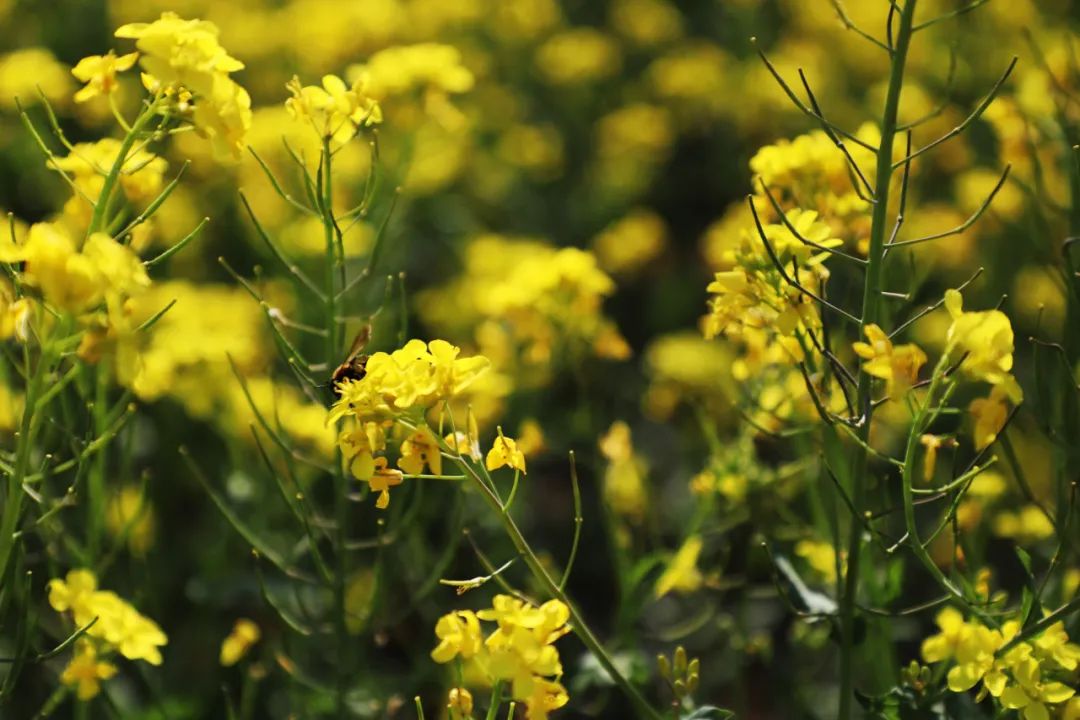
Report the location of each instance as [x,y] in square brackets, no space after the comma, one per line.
[28,427]
[97,220]
[341,495]
[581,629]
[496,700]
[58,696]
[871,311]
[95,505]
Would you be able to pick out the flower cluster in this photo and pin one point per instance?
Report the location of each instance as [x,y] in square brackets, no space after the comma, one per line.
[526,304]
[117,628]
[72,278]
[335,110]
[406,382]
[183,58]
[1020,675]
[520,651]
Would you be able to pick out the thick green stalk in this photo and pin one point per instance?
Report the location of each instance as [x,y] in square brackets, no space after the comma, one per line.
[341,495]
[871,312]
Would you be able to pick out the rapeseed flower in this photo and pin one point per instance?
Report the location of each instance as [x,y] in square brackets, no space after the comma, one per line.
[334,110]
[504,452]
[99,73]
[86,670]
[898,366]
[244,634]
[682,574]
[985,340]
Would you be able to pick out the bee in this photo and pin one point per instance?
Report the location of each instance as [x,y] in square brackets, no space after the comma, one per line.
[353,367]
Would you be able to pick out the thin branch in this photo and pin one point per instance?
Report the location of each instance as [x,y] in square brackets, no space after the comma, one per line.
[798,236]
[931,308]
[787,278]
[964,225]
[838,142]
[975,115]
[949,15]
[841,11]
[807,111]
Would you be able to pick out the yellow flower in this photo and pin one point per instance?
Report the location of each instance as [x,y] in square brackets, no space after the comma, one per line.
[943,646]
[505,452]
[932,443]
[531,439]
[183,57]
[244,635]
[459,634]
[359,445]
[624,485]
[546,695]
[381,480]
[989,414]
[404,68]
[1054,642]
[975,660]
[224,117]
[985,339]
[631,243]
[578,55]
[72,592]
[99,73]
[86,671]
[897,366]
[128,516]
[133,635]
[1032,694]
[418,374]
[181,52]
[418,450]
[821,557]
[682,574]
[1028,524]
[335,110]
[141,176]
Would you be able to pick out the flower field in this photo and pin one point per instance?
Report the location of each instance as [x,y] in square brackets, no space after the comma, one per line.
[477,359]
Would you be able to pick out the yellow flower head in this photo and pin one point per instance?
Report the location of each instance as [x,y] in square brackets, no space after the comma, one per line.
[985,339]
[682,574]
[85,671]
[181,52]
[821,557]
[335,110]
[942,646]
[898,365]
[418,450]
[989,414]
[133,635]
[459,634]
[99,73]
[417,375]
[382,479]
[244,635]
[504,452]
